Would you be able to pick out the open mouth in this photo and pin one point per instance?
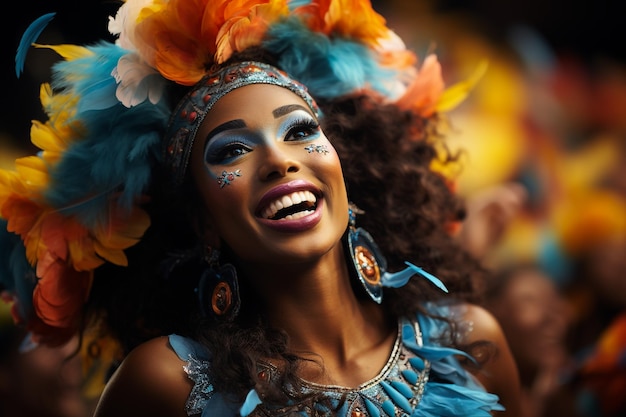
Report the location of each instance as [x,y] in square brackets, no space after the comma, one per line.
[291,206]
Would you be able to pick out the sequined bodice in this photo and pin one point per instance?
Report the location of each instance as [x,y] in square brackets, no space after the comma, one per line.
[420,379]
[397,389]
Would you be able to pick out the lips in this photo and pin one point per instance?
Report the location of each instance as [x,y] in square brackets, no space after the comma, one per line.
[291,206]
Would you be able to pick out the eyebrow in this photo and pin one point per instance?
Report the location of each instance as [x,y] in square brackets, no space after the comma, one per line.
[232,124]
[283,110]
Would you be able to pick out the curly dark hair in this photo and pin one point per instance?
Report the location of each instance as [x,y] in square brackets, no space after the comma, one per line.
[386,155]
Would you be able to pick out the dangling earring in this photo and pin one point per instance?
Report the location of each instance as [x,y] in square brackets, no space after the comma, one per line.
[369,264]
[218,289]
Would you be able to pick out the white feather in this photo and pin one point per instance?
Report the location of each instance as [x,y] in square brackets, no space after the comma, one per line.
[125,22]
[137,81]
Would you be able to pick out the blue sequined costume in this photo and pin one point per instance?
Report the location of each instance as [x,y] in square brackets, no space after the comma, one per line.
[421,379]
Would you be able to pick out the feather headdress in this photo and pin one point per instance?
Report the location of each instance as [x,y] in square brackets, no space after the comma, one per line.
[77,204]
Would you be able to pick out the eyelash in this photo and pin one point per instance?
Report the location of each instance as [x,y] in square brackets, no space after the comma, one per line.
[227,152]
[311,127]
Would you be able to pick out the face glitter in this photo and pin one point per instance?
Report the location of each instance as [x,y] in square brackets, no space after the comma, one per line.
[227,177]
[317,149]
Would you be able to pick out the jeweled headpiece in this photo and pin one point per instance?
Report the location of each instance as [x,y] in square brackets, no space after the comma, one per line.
[192,109]
[78,203]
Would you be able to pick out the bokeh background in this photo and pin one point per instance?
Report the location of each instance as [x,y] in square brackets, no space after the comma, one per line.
[543,136]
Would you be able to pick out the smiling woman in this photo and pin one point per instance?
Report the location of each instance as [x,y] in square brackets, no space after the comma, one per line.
[240,195]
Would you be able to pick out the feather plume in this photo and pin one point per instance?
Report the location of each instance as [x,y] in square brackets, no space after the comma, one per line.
[16,275]
[355,20]
[345,64]
[28,38]
[425,90]
[171,37]
[67,52]
[60,292]
[242,30]
[456,93]
[137,81]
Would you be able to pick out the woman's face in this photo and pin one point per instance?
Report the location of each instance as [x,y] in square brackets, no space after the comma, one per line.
[271,181]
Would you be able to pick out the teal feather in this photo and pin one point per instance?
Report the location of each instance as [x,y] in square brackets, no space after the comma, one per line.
[16,274]
[121,146]
[400,278]
[329,67]
[252,400]
[28,38]
[117,156]
[294,4]
[90,77]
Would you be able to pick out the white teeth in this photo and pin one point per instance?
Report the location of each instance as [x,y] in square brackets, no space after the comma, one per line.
[287,201]
[297,215]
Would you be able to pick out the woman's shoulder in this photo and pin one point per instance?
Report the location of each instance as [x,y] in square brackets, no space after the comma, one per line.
[484,325]
[497,371]
[151,380]
[474,322]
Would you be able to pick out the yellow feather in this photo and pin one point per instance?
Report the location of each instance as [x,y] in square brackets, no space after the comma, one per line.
[42,136]
[455,94]
[33,171]
[68,52]
[115,256]
[10,183]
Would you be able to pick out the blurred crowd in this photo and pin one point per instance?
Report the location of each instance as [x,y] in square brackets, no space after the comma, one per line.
[543,168]
[41,381]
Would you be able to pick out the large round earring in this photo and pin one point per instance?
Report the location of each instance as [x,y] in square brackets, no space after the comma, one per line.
[369,263]
[218,289]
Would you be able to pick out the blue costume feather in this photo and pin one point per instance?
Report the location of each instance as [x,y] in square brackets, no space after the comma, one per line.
[16,275]
[28,38]
[346,65]
[127,141]
[400,278]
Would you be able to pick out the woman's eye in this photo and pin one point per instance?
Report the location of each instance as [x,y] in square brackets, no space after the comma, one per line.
[227,153]
[303,130]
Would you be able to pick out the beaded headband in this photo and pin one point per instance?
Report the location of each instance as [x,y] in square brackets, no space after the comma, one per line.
[193,108]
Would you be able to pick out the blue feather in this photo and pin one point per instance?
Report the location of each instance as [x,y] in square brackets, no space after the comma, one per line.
[252,400]
[16,274]
[398,279]
[294,4]
[346,65]
[28,38]
[118,147]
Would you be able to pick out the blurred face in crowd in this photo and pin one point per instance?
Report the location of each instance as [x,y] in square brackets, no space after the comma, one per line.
[534,318]
[42,382]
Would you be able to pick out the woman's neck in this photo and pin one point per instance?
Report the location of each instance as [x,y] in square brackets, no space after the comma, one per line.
[327,323]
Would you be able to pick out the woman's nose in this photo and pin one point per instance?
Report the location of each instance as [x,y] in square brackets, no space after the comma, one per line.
[277,162]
